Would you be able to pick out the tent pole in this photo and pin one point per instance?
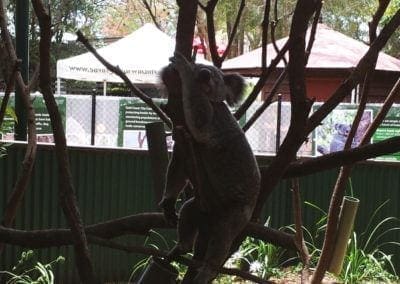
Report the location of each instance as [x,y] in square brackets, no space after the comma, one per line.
[104,88]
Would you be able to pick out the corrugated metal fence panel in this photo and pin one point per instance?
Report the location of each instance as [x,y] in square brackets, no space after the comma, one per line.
[108,184]
[373,184]
[114,183]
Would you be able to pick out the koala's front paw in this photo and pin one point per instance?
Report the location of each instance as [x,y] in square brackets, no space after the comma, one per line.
[168,207]
[181,64]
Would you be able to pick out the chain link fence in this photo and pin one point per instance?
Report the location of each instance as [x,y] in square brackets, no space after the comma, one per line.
[120,122]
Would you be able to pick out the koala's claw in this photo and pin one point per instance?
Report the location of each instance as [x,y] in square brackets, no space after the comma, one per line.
[168,207]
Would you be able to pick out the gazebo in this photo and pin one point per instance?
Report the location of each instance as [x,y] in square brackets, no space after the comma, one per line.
[333,56]
[141,55]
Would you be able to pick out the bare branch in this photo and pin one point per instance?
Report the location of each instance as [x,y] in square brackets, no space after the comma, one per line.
[267,102]
[309,166]
[25,171]
[261,82]
[116,70]
[299,238]
[357,75]
[138,224]
[301,105]
[232,35]
[373,24]
[66,189]
[209,10]
[153,17]
[344,174]
[264,35]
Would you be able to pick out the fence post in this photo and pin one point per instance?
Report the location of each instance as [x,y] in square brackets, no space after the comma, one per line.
[278,123]
[156,140]
[93,122]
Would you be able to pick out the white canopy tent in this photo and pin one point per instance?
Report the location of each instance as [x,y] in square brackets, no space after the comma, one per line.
[141,55]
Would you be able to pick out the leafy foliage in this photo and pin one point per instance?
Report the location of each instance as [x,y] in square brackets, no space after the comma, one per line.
[157,241]
[8,114]
[366,260]
[30,271]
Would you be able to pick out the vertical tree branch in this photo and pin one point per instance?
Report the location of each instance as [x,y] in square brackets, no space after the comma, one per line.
[209,9]
[66,190]
[357,75]
[299,238]
[264,35]
[373,24]
[301,105]
[24,173]
[344,175]
[283,74]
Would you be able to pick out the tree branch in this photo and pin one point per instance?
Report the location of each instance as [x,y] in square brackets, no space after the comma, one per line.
[138,224]
[25,171]
[66,189]
[307,166]
[261,82]
[153,17]
[301,105]
[357,75]
[373,24]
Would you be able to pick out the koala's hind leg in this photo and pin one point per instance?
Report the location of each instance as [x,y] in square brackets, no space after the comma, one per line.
[224,231]
[175,182]
[189,216]
[199,253]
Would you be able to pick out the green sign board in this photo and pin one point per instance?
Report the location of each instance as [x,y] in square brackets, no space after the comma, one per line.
[134,115]
[332,134]
[43,123]
[389,127]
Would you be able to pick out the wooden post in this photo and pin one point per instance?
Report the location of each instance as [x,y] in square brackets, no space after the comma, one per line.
[158,151]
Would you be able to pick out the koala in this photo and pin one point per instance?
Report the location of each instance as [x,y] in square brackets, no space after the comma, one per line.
[340,137]
[365,122]
[226,179]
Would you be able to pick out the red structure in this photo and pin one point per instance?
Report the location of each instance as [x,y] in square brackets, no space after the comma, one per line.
[332,58]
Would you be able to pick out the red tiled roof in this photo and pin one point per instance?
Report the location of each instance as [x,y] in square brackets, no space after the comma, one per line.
[331,50]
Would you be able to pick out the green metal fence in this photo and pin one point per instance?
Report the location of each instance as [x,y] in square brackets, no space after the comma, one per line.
[114,183]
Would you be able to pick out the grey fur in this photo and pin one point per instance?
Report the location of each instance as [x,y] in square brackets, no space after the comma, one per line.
[226,168]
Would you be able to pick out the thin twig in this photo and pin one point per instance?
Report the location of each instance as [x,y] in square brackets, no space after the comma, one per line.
[116,70]
[153,17]
[357,75]
[299,238]
[264,35]
[233,33]
[261,82]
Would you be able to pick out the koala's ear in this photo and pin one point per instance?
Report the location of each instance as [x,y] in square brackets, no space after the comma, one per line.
[204,75]
[235,84]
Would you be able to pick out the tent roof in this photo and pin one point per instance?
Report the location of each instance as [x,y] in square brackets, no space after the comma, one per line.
[141,55]
[331,50]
